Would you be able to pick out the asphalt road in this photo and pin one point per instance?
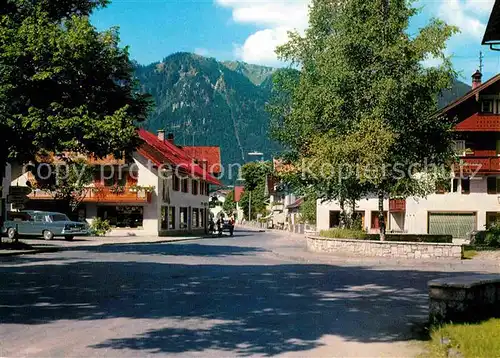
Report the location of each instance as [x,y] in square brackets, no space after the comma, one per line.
[221,297]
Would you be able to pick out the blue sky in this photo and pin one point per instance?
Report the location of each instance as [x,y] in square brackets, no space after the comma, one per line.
[249,30]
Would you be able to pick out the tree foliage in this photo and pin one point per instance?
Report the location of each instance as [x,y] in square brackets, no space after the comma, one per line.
[64,86]
[229,205]
[363,102]
[255,175]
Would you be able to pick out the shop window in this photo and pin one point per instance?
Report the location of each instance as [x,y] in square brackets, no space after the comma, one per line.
[164,217]
[122,216]
[195,218]
[184,218]
[202,217]
[171,217]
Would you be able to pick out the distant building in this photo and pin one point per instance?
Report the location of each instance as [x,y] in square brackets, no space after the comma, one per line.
[492,33]
[164,190]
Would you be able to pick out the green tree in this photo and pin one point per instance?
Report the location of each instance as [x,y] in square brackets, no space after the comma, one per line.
[308,209]
[64,86]
[364,93]
[229,205]
[255,175]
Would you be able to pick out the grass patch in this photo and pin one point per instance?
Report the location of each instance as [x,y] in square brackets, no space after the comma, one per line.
[469,252]
[338,233]
[471,340]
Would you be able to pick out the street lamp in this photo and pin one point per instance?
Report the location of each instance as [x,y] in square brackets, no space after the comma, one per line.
[253,154]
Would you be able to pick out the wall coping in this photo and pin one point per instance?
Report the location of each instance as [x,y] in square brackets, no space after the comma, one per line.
[384,242]
[465,281]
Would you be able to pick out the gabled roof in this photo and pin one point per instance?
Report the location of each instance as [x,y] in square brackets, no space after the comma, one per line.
[163,152]
[492,33]
[470,94]
[209,154]
[238,192]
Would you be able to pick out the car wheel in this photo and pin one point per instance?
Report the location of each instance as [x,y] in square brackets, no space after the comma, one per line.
[68,238]
[48,235]
[11,233]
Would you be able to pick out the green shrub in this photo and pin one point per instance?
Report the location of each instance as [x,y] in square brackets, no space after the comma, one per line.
[337,233]
[490,237]
[438,239]
[99,227]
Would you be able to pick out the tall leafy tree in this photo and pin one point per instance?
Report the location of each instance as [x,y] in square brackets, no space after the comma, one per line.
[229,205]
[362,84]
[64,86]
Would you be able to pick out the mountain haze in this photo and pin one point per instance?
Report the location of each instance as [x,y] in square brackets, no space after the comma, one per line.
[206,102]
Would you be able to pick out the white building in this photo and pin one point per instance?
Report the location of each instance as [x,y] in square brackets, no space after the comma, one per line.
[472,200]
[162,191]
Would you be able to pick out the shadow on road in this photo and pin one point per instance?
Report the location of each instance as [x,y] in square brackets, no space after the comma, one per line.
[253,309]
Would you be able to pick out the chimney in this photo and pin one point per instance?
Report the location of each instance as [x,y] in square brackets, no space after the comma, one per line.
[161,135]
[476,79]
[170,137]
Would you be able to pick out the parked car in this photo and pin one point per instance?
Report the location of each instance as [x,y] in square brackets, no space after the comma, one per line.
[42,223]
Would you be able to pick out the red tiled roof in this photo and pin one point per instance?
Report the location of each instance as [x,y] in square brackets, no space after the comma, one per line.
[296,204]
[209,154]
[238,192]
[163,152]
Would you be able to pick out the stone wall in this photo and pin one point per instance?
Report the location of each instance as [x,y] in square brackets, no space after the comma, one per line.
[408,250]
[464,298]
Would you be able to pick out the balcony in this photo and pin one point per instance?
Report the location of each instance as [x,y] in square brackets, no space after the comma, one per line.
[478,164]
[110,195]
[397,205]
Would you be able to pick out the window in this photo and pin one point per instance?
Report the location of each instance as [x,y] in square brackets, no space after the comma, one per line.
[455,185]
[493,184]
[121,180]
[466,186]
[164,217]
[202,217]
[487,106]
[195,218]
[459,147]
[194,184]
[185,185]
[177,182]
[184,218]
[202,187]
[122,216]
[171,217]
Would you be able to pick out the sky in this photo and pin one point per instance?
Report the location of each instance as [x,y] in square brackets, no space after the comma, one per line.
[249,30]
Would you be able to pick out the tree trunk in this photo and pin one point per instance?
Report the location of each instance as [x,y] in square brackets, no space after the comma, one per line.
[381,218]
[354,215]
[342,213]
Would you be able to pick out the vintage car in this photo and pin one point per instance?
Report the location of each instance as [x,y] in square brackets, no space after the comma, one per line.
[42,223]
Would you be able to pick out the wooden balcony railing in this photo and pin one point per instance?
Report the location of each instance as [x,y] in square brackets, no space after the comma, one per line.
[473,164]
[397,205]
[103,195]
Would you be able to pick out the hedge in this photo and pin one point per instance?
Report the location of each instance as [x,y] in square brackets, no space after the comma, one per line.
[337,233]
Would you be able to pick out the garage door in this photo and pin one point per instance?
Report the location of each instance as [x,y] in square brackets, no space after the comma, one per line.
[456,224]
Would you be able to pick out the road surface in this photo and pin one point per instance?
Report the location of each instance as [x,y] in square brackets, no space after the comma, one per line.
[222,297]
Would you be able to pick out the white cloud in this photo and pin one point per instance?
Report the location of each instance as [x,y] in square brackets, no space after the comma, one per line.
[468,15]
[259,48]
[202,51]
[274,17]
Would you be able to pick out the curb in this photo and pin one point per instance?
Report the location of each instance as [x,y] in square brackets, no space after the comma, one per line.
[30,252]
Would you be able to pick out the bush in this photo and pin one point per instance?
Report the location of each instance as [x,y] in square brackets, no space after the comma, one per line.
[489,238]
[337,233]
[99,227]
[437,239]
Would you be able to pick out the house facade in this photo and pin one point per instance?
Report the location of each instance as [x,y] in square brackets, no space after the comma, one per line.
[471,200]
[161,190]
